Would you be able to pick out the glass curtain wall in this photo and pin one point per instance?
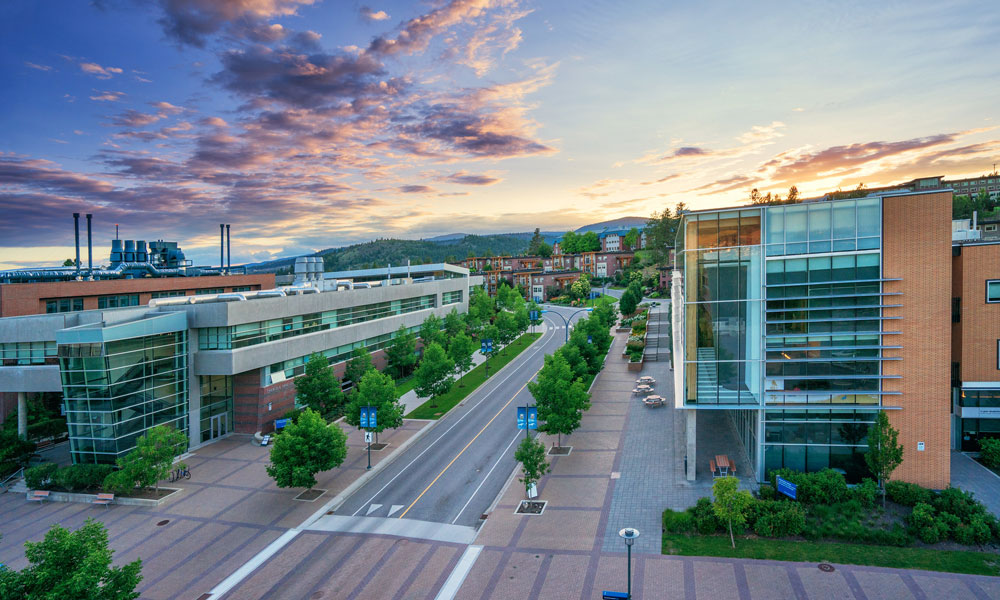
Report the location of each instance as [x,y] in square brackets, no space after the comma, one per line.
[114,392]
[216,399]
[723,267]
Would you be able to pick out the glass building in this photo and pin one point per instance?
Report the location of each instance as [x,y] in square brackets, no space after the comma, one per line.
[784,328]
[120,380]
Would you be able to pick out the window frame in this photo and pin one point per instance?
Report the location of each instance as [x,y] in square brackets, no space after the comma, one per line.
[988,282]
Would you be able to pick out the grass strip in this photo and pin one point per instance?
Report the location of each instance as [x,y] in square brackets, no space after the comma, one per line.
[471,380]
[405,385]
[950,561]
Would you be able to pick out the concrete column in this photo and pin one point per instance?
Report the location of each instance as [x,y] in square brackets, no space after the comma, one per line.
[22,415]
[194,393]
[692,436]
[677,329]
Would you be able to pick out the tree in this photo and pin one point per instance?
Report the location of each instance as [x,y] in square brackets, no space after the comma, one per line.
[632,238]
[402,352]
[589,242]
[360,363]
[14,451]
[885,453]
[508,298]
[460,351]
[430,331]
[544,250]
[149,462]
[570,243]
[453,324]
[507,327]
[580,290]
[661,234]
[531,454]
[72,564]
[536,243]
[376,389]
[481,307]
[69,262]
[304,448]
[434,373]
[318,387]
[731,503]
[559,396]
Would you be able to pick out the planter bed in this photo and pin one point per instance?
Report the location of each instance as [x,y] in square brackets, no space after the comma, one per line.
[531,507]
[145,499]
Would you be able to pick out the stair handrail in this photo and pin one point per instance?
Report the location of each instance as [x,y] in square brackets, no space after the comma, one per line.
[18,474]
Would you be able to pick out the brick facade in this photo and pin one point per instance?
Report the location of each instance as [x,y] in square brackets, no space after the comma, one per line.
[916,241]
[976,335]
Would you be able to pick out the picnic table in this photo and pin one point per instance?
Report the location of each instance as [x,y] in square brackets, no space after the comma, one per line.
[646,379]
[642,389]
[723,464]
[653,401]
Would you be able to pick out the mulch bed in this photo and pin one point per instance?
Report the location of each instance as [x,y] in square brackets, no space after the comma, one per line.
[379,446]
[560,450]
[310,495]
[531,507]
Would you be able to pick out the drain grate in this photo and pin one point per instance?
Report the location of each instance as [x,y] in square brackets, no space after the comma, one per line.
[204,596]
[163,522]
[826,567]
[483,516]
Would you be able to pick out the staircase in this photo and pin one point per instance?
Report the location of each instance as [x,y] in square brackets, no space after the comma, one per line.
[708,379]
[657,338]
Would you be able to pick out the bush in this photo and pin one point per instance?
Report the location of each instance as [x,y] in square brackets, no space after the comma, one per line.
[77,478]
[897,536]
[766,492]
[865,492]
[959,503]
[908,494]
[981,532]
[38,477]
[780,519]
[989,452]
[703,515]
[929,529]
[922,516]
[823,487]
[678,522]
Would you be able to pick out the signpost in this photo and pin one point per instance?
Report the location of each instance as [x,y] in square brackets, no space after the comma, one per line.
[527,418]
[368,419]
[787,488]
[486,348]
[532,317]
[280,423]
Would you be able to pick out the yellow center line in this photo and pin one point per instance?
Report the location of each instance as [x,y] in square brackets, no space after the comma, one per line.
[467,445]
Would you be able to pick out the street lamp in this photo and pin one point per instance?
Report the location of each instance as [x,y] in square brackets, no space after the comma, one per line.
[565,320]
[629,535]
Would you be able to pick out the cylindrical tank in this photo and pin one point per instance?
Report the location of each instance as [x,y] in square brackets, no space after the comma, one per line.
[140,251]
[116,251]
[129,251]
[316,268]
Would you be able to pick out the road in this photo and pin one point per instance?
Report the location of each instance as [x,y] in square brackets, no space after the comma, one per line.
[452,474]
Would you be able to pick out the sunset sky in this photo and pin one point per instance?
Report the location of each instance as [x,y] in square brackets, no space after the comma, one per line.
[309,124]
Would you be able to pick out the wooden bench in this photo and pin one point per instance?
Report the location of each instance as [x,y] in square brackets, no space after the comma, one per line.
[105,499]
[711,464]
[38,496]
[265,440]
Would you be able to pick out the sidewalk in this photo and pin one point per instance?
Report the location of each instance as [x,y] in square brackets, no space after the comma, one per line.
[623,471]
[973,477]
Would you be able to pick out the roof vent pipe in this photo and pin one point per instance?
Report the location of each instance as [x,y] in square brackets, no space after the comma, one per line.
[222,246]
[229,252]
[975,215]
[76,228]
[90,247]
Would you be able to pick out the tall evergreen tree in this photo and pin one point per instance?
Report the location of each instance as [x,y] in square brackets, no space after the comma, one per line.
[536,242]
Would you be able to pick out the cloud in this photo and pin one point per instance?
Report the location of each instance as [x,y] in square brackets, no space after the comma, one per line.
[167,108]
[415,34]
[98,71]
[728,184]
[134,118]
[107,96]
[37,66]
[759,134]
[416,189]
[192,21]
[371,15]
[685,152]
[662,179]
[464,178]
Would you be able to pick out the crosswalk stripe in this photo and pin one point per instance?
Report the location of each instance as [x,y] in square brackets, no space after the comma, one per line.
[373,508]
[395,508]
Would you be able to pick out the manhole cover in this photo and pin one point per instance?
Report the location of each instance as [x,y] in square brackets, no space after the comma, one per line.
[826,568]
[163,522]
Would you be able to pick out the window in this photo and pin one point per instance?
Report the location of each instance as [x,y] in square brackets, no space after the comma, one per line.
[170,294]
[990,228]
[998,355]
[241,288]
[64,305]
[210,291]
[993,291]
[118,301]
[956,310]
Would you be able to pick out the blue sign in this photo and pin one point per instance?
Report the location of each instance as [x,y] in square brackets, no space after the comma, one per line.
[590,339]
[280,423]
[522,419]
[606,595]
[787,488]
[533,315]
[486,346]
[364,417]
[372,417]
[532,417]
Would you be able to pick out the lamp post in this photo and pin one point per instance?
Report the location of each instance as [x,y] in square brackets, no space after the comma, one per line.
[629,534]
[565,320]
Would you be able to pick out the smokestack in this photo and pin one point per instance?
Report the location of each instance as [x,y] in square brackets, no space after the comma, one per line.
[76,227]
[222,246]
[974,219]
[90,246]
[229,251]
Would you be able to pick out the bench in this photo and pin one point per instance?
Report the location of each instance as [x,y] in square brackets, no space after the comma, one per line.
[265,440]
[38,496]
[711,464]
[105,499]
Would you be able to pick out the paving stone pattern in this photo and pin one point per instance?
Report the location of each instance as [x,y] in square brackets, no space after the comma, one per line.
[973,477]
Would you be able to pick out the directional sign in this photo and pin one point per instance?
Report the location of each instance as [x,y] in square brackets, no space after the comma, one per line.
[606,595]
[280,423]
[364,417]
[787,488]
[522,418]
[532,417]
[590,339]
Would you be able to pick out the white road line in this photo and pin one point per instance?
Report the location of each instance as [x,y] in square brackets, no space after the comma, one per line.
[373,508]
[251,565]
[459,573]
[490,472]
[455,424]
[395,508]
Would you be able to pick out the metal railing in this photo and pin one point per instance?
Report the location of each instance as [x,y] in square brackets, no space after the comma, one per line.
[6,484]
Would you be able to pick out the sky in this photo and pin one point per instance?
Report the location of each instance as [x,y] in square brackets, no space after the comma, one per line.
[310,124]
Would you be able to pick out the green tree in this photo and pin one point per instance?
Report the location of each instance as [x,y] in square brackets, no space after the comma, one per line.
[14,451]
[378,390]
[402,352]
[318,387]
[570,243]
[508,298]
[531,454]
[507,327]
[360,363]
[731,503]
[632,238]
[430,331]
[481,307]
[575,360]
[589,242]
[460,351]
[454,324]
[72,565]
[536,242]
[560,398]
[304,448]
[69,262]
[149,462]
[544,250]
[661,234]
[434,373]
[885,453]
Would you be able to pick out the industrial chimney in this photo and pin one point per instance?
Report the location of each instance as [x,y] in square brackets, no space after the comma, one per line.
[222,247]
[76,228]
[90,248]
[229,252]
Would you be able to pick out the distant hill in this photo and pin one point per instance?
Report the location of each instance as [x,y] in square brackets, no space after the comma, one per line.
[525,235]
[620,223]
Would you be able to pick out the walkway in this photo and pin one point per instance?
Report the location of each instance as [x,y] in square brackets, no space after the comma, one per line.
[973,477]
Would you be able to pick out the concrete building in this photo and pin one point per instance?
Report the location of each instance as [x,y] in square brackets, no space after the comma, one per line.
[211,364]
[802,321]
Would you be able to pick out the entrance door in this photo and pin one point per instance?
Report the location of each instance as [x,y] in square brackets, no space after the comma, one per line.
[218,426]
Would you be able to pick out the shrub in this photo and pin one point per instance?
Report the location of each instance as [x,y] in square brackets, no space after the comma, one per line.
[897,536]
[989,449]
[959,503]
[76,478]
[780,519]
[865,492]
[704,517]
[677,522]
[638,327]
[38,477]
[929,529]
[922,516]
[823,487]
[766,492]
[908,494]
[981,532]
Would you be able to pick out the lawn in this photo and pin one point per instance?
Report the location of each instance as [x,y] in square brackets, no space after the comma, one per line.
[405,385]
[595,302]
[972,563]
[472,380]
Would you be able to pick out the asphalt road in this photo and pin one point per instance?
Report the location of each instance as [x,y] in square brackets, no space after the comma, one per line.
[453,473]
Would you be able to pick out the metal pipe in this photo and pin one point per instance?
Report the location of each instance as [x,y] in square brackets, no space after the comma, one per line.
[229,251]
[90,245]
[222,246]
[76,227]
